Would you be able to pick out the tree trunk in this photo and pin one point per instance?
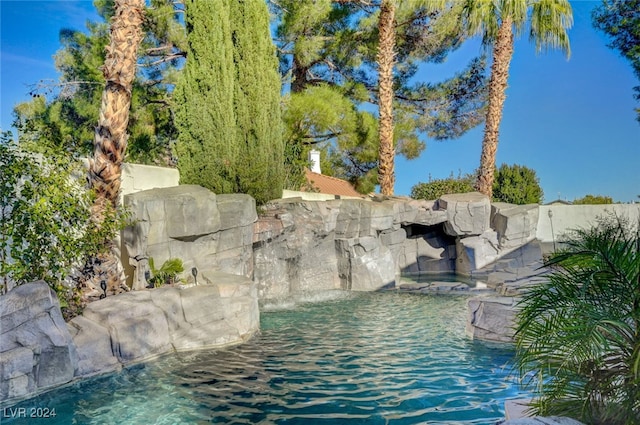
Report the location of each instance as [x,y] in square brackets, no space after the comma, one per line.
[104,274]
[299,76]
[502,53]
[386,57]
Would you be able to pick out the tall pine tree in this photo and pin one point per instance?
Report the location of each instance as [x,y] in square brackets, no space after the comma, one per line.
[203,99]
[227,101]
[257,102]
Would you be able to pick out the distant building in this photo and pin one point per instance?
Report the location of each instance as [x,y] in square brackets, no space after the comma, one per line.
[329,185]
[559,202]
[319,186]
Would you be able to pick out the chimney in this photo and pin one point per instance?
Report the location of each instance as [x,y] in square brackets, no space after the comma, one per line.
[314,159]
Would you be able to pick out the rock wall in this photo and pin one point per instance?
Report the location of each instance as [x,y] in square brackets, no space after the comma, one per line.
[346,244]
[364,245]
[301,245]
[38,350]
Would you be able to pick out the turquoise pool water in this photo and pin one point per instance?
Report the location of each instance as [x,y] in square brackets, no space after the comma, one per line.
[352,358]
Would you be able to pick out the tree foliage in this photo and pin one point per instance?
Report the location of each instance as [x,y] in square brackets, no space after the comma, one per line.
[593,200]
[63,114]
[620,20]
[203,100]
[517,184]
[334,44]
[257,102]
[227,101]
[578,335]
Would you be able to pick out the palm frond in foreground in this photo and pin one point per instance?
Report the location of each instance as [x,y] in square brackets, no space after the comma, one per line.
[578,335]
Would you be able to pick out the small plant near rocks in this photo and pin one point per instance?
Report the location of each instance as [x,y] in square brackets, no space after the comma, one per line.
[167,274]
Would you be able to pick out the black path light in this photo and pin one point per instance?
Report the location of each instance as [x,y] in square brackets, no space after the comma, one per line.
[103,285]
[194,272]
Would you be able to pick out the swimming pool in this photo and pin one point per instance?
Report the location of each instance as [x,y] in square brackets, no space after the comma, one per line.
[368,358]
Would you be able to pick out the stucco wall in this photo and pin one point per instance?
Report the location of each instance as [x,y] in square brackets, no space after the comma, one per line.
[136,177]
[555,220]
[314,196]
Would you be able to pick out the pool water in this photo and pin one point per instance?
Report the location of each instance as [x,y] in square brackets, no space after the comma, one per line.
[356,358]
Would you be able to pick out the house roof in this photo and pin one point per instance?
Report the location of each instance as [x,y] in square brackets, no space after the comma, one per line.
[329,185]
[559,202]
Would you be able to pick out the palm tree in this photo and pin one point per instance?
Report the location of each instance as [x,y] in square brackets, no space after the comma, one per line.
[386,46]
[105,276]
[580,331]
[498,21]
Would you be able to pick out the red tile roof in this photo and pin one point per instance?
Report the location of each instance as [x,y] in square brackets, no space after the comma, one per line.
[329,185]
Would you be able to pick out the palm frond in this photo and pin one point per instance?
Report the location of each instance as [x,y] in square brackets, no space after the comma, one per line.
[580,330]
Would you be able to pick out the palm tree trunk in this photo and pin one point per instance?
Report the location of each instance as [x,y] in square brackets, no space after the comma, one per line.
[502,53]
[386,58]
[105,273]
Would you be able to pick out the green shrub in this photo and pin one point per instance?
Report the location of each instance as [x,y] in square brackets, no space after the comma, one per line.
[438,187]
[580,331]
[593,200]
[516,184]
[45,227]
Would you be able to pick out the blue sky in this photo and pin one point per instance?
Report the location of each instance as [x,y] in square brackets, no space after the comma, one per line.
[572,121]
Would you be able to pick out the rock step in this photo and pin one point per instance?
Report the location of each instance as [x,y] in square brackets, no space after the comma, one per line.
[434,286]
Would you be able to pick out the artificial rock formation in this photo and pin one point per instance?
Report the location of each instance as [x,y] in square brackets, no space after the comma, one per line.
[302,246]
[39,350]
[363,245]
[204,230]
[299,246]
[491,318]
[36,350]
[143,324]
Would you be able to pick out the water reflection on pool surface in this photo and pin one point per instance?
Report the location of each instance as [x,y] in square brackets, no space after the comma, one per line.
[370,358]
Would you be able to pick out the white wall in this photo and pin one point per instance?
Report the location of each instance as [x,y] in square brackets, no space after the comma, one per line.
[568,217]
[136,177]
[315,196]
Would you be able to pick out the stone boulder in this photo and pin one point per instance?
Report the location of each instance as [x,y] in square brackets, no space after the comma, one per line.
[140,325]
[468,214]
[516,225]
[39,351]
[294,247]
[364,264]
[36,349]
[476,252]
[491,318]
[359,218]
[189,222]
[93,344]
[417,211]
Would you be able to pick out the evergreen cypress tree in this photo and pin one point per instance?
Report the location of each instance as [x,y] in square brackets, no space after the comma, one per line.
[257,102]
[203,98]
[228,101]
